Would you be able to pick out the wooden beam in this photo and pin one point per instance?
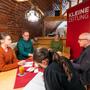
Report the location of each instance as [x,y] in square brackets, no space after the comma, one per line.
[60,7]
[55,18]
[14,6]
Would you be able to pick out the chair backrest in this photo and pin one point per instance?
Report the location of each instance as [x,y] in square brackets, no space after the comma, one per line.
[13,45]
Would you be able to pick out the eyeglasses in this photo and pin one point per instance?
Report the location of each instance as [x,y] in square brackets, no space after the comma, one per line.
[82,39]
[26,35]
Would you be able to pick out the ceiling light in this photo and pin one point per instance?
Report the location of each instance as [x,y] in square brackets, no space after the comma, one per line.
[32,16]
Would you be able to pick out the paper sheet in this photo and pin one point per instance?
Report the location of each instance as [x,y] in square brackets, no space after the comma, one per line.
[28,64]
[36,83]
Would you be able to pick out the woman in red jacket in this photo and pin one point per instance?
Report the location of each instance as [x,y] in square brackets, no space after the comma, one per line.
[8,59]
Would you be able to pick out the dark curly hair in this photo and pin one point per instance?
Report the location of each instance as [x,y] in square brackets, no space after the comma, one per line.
[42,53]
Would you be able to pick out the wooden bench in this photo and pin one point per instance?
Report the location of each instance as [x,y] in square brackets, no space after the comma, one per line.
[45,42]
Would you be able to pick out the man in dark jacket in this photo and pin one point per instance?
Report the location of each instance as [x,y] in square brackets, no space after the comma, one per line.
[82,64]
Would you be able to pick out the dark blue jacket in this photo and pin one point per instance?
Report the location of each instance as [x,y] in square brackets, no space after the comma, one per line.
[82,65]
[56,79]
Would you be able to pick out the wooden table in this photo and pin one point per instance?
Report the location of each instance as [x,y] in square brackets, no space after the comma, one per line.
[7,80]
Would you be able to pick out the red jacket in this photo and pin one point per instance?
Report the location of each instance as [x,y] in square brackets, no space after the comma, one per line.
[8,60]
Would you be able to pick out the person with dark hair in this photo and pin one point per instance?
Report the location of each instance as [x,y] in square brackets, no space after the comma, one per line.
[8,59]
[56,44]
[59,73]
[24,46]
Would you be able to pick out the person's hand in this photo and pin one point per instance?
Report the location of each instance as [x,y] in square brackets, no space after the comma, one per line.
[21,62]
[30,55]
[50,49]
[60,53]
[71,60]
[31,58]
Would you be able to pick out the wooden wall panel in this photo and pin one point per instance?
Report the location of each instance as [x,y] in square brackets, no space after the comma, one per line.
[12,18]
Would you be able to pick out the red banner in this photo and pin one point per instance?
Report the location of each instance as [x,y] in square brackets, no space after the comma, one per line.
[78,21]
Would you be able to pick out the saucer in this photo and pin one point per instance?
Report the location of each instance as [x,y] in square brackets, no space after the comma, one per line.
[21,74]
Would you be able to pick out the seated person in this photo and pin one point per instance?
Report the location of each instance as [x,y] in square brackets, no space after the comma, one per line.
[24,46]
[82,64]
[8,59]
[59,73]
[56,44]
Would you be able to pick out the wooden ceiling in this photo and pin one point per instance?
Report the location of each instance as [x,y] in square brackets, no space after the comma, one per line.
[44,5]
[12,16]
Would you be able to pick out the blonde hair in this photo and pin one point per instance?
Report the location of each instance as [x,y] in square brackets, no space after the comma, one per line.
[2,36]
